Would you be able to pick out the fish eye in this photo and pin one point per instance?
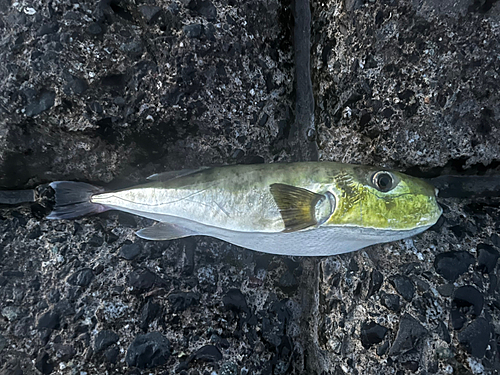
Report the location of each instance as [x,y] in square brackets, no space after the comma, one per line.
[383,181]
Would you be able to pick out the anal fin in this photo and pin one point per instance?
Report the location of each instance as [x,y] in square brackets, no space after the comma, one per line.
[164,231]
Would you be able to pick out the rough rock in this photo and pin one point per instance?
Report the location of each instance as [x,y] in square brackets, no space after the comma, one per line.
[365,91]
[208,353]
[404,286]
[376,279]
[111,354]
[467,303]
[372,333]
[288,283]
[452,264]
[235,300]
[104,339]
[409,336]
[391,301]
[50,320]
[130,251]
[487,258]
[150,12]
[3,342]
[476,337]
[143,279]
[193,31]
[149,313]
[148,350]
[11,312]
[180,301]
[42,102]
[43,364]
[82,277]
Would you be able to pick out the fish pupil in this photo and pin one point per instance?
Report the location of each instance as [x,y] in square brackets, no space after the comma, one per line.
[383,181]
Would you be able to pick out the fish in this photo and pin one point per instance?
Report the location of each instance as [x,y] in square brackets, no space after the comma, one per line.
[298,209]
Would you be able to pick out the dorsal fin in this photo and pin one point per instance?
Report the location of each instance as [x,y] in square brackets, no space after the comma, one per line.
[170,175]
[301,208]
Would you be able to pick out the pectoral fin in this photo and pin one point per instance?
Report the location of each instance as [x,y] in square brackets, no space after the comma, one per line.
[301,208]
[164,231]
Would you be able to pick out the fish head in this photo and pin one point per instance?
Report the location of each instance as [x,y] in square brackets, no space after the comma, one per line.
[382,199]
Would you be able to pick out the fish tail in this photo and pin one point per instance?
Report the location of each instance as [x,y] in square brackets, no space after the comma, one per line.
[73,199]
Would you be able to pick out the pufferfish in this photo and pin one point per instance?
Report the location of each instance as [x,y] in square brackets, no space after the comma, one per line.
[301,209]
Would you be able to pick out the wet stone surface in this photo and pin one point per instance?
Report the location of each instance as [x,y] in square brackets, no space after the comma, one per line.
[110,92]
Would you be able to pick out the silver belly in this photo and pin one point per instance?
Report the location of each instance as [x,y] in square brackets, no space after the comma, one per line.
[321,241]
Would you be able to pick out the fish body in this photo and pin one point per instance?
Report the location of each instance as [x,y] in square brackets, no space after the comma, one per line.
[308,209]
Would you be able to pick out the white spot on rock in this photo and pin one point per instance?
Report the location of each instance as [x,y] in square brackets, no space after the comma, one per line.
[29,11]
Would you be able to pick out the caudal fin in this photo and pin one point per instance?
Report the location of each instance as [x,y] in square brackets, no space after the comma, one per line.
[73,200]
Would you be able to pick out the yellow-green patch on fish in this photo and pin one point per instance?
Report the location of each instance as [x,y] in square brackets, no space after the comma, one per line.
[307,209]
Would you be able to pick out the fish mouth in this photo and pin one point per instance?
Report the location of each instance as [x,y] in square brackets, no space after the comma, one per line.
[435,210]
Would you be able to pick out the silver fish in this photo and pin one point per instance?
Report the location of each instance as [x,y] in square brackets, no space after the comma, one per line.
[304,209]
